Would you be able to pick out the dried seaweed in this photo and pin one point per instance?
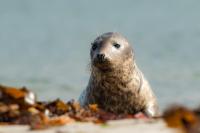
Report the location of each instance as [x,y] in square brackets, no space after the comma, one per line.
[183,118]
[19,106]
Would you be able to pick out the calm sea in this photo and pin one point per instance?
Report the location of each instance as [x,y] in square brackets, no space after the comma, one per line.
[44,45]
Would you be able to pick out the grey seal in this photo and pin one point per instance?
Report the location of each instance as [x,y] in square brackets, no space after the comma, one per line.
[116,83]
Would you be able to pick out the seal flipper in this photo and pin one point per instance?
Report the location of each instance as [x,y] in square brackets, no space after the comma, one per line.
[151,110]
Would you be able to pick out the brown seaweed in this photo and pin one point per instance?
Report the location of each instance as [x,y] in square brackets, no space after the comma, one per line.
[183,118]
[19,106]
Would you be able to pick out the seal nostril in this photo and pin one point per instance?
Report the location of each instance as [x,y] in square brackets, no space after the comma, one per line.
[101,56]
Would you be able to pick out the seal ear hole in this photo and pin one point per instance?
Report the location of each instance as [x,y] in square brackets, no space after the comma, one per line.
[116,45]
[94,46]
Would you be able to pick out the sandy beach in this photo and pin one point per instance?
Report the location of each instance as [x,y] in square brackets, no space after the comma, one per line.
[120,126]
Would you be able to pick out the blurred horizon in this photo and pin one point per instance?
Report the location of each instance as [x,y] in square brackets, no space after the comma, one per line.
[45,44]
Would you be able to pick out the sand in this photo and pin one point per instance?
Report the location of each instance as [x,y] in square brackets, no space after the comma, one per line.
[119,126]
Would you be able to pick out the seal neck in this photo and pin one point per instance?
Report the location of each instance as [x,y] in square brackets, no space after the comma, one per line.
[124,72]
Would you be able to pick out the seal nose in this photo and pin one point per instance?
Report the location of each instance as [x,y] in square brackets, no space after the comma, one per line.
[101,57]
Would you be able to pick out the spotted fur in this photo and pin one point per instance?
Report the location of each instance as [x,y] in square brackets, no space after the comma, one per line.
[122,89]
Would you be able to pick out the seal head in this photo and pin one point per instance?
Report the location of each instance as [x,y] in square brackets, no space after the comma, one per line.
[108,50]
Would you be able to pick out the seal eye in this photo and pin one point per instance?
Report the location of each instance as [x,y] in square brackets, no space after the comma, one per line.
[94,46]
[116,45]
